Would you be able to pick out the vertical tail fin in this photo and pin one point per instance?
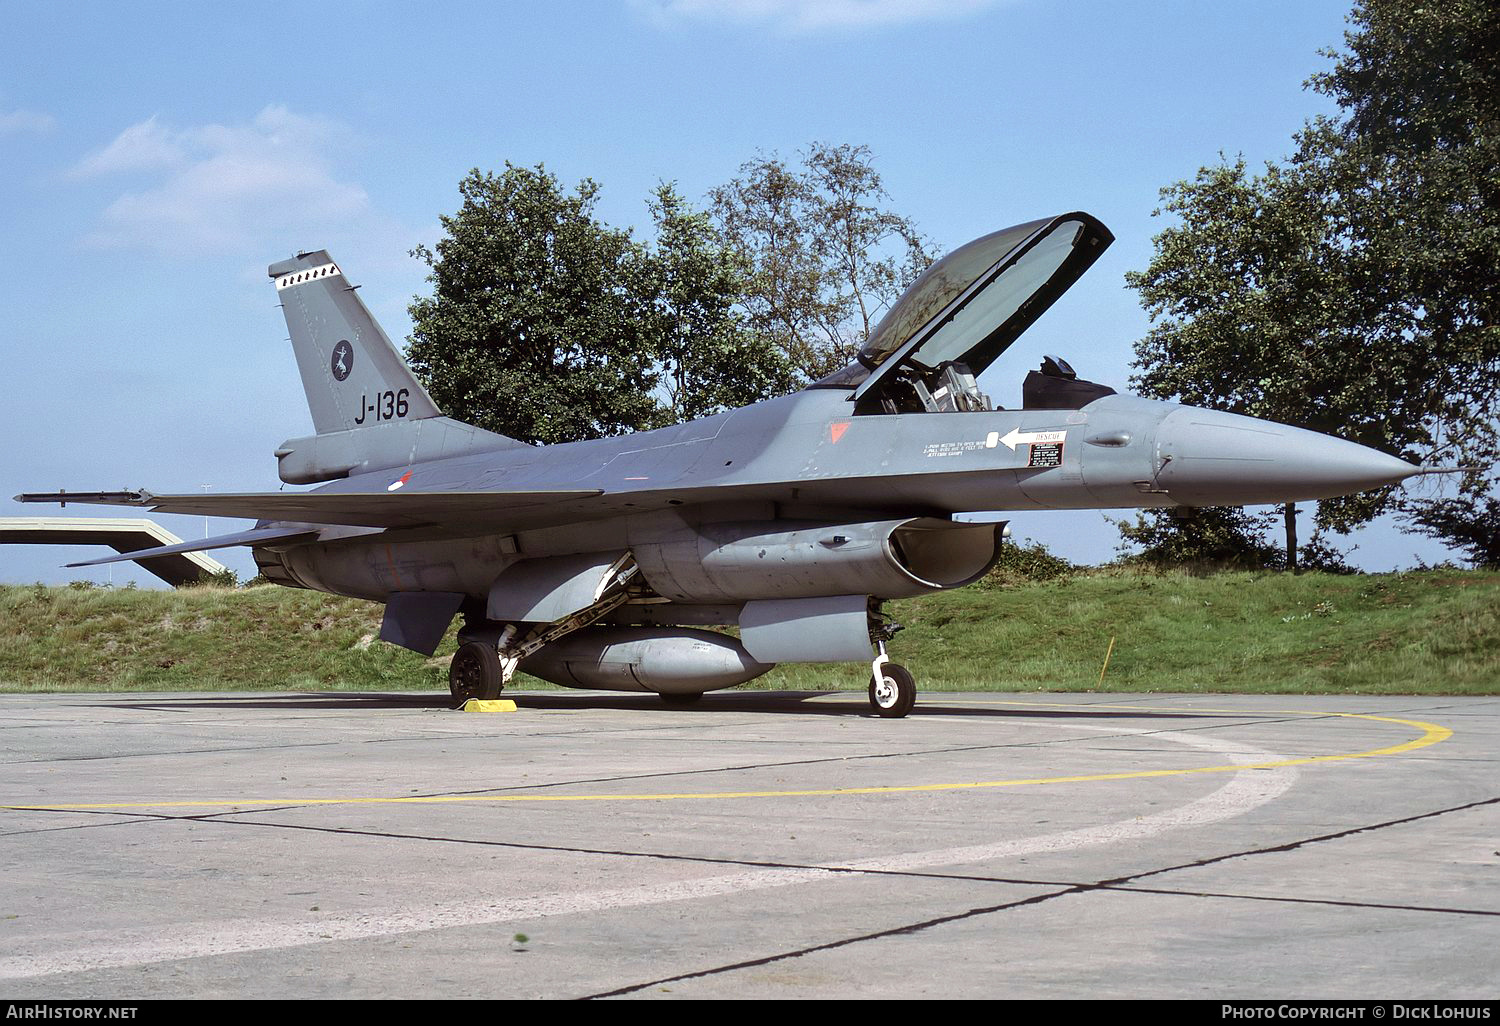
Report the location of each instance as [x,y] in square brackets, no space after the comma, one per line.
[354,377]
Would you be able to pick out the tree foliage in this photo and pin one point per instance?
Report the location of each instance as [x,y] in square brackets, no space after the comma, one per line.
[1469,523]
[535,328]
[1353,288]
[1215,537]
[1019,564]
[709,358]
[549,326]
[826,256]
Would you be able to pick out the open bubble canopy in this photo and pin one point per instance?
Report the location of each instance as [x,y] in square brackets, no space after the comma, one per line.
[971,305]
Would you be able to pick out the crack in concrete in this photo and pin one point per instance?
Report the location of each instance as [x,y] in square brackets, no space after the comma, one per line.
[1116,884]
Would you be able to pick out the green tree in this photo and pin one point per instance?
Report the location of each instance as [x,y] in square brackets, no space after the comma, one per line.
[1215,537]
[1469,523]
[549,326]
[826,257]
[1351,289]
[1252,313]
[1420,143]
[535,327]
[710,360]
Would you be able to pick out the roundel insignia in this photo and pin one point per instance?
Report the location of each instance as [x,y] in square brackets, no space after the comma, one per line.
[343,359]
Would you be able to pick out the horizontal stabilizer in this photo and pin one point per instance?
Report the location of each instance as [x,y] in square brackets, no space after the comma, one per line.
[256,536]
[355,509]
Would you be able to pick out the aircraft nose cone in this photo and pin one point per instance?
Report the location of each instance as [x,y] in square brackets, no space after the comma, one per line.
[1208,458]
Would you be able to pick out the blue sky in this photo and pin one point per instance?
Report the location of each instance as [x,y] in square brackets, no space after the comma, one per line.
[154,158]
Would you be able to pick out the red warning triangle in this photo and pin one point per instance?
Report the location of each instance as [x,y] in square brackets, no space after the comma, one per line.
[836,430]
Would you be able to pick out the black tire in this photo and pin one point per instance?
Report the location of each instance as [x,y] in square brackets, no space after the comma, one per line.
[899,694]
[680,698]
[475,673]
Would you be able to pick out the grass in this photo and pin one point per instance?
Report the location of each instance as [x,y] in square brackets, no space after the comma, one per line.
[1427,632]
[208,638]
[1431,632]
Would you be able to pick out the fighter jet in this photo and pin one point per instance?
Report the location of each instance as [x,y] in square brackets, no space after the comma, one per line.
[604,563]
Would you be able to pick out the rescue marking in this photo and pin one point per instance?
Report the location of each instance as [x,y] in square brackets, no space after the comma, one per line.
[836,430]
[932,449]
[1016,437]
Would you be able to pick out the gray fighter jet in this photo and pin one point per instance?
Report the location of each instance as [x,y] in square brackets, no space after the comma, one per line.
[598,564]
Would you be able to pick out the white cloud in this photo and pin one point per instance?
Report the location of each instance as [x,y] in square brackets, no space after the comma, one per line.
[144,147]
[810,15]
[16,122]
[224,186]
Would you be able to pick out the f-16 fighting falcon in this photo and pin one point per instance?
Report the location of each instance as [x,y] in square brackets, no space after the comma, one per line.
[602,564]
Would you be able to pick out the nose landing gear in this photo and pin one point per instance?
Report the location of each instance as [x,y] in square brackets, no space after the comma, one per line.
[893,691]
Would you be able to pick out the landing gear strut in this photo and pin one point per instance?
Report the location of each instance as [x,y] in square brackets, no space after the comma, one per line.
[892,690]
[489,653]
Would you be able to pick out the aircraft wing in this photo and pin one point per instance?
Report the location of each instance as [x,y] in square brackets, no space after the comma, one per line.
[355,509]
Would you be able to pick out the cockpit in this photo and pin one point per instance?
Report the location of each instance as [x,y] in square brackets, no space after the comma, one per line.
[968,308]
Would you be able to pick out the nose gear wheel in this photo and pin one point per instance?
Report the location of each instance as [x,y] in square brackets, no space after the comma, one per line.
[893,692]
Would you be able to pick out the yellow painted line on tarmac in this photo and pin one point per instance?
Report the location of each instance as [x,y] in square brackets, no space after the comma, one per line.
[1432,734]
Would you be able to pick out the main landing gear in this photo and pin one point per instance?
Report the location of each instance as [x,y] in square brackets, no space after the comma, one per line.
[489,652]
[482,667]
[475,673]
